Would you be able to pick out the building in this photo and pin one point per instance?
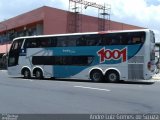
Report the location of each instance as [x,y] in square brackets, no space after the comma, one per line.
[47,20]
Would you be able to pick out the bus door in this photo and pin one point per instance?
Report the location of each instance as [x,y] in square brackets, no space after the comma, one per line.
[14,54]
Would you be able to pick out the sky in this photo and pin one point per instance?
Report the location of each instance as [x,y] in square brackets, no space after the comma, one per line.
[143,13]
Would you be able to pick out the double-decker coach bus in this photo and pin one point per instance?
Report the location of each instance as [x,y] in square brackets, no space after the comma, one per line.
[96,56]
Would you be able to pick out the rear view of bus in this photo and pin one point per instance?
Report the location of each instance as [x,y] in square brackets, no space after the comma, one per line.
[110,56]
[142,65]
[151,65]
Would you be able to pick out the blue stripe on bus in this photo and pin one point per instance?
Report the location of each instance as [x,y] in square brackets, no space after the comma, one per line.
[68,71]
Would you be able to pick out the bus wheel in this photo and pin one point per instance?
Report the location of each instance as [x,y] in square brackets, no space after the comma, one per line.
[96,76]
[27,74]
[112,76]
[39,74]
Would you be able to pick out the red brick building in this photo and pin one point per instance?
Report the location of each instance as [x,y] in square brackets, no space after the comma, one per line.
[47,20]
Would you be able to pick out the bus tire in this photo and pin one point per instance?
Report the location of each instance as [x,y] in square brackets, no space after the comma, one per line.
[27,73]
[96,76]
[112,76]
[39,74]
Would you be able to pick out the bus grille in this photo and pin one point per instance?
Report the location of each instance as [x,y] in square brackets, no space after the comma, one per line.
[135,71]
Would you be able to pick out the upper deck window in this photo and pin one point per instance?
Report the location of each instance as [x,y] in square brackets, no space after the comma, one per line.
[126,38]
[40,42]
[17,44]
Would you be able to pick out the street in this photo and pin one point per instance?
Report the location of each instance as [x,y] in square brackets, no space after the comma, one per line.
[19,96]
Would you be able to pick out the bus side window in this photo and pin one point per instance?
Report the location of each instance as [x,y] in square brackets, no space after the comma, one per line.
[116,39]
[93,40]
[81,41]
[17,45]
[72,40]
[125,39]
[53,42]
[105,40]
[26,45]
[61,41]
[43,42]
[137,37]
[136,40]
[13,45]
[31,43]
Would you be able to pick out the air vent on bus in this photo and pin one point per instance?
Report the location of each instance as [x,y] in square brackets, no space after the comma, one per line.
[135,71]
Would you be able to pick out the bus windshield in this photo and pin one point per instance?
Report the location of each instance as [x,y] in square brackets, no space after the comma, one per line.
[14,52]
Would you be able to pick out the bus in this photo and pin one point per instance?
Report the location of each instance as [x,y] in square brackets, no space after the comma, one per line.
[98,56]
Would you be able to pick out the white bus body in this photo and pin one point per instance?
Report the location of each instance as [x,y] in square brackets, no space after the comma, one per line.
[110,55]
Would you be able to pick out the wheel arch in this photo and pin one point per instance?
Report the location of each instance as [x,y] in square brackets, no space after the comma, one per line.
[95,68]
[96,75]
[113,69]
[37,68]
[24,68]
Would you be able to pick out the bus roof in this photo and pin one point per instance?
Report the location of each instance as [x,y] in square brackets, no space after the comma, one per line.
[84,33]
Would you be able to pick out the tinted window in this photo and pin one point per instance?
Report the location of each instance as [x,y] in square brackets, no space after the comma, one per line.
[123,38]
[87,40]
[81,41]
[14,52]
[66,41]
[31,43]
[16,45]
[47,42]
[72,40]
[40,42]
[111,39]
[93,40]
[62,41]
[62,60]
[137,38]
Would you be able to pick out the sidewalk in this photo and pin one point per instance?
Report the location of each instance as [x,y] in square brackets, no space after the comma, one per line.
[156,77]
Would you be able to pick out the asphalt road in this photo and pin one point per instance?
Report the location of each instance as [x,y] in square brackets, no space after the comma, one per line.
[19,95]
